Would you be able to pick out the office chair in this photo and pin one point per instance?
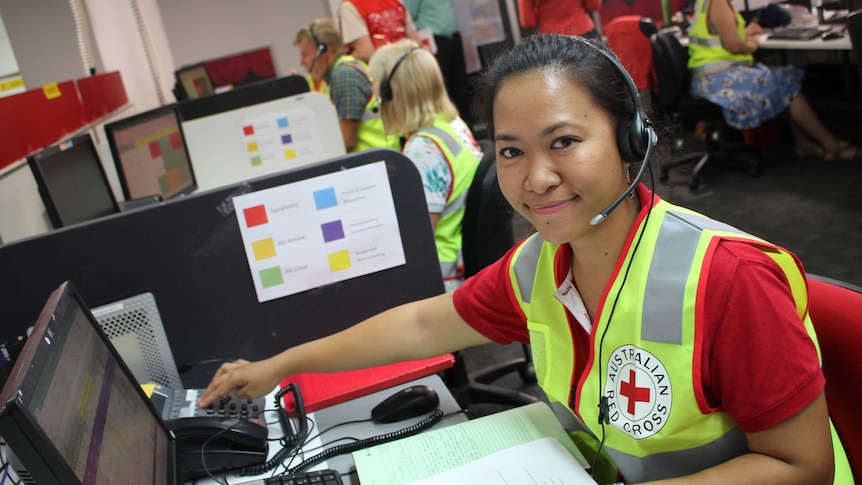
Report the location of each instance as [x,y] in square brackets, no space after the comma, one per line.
[833,306]
[487,235]
[676,106]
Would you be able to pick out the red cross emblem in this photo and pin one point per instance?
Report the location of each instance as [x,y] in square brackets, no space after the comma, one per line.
[633,392]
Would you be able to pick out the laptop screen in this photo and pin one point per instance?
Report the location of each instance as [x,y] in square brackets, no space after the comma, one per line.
[72,411]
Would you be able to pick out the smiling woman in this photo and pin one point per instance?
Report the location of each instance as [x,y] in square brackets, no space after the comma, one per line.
[656,328]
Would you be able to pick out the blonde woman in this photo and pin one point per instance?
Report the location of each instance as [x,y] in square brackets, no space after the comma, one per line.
[414,105]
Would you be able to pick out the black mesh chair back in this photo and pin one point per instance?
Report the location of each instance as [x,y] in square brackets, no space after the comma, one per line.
[487,227]
[670,59]
[677,108]
[486,235]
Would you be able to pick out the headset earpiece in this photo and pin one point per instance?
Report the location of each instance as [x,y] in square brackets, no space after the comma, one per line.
[320,47]
[385,86]
[636,137]
[633,136]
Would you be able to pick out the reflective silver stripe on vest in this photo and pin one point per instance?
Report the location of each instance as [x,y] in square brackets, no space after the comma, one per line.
[715,67]
[714,42]
[680,463]
[526,265]
[671,264]
[455,205]
[704,222]
[665,283]
[450,142]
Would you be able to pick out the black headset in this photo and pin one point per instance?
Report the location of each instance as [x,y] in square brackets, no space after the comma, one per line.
[319,46]
[636,138]
[385,86]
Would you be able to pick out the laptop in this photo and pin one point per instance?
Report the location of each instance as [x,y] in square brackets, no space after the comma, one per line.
[73,413]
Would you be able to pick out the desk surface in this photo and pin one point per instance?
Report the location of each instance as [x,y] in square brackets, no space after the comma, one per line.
[357,409]
[817,43]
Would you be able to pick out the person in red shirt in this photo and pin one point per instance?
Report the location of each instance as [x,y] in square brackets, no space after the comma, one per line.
[369,24]
[569,17]
[692,337]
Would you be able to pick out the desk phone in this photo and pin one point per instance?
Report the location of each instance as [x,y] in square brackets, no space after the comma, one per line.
[182,403]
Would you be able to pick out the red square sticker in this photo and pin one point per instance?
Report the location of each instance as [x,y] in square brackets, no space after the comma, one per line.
[176,140]
[155,151]
[248,130]
[255,216]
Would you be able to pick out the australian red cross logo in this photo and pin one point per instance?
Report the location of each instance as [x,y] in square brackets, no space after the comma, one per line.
[639,392]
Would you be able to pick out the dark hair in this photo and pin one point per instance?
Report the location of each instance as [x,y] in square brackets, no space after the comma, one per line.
[576,58]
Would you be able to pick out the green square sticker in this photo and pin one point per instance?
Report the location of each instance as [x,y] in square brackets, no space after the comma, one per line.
[271,277]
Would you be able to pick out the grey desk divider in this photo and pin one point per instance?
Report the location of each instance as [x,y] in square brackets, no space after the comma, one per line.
[188,252]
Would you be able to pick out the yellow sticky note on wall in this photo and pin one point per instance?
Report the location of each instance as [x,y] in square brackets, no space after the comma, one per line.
[51,91]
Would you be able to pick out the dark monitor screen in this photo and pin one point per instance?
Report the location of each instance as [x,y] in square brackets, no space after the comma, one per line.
[73,413]
[72,182]
[150,154]
[194,81]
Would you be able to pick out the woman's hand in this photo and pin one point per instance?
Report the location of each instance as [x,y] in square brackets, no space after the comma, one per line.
[248,380]
[753,30]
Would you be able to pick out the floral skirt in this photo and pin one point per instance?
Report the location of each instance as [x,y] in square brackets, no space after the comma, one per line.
[750,95]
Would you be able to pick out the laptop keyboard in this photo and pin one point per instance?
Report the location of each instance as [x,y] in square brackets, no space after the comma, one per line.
[318,477]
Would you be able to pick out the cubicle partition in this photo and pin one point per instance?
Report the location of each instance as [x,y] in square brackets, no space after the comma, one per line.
[190,254]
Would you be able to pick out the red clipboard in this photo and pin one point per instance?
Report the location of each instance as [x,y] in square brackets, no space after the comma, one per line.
[322,390]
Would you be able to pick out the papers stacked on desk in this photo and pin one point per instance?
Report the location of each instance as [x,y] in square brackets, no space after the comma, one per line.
[527,441]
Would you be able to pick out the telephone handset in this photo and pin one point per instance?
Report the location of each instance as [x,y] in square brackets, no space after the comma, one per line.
[212,444]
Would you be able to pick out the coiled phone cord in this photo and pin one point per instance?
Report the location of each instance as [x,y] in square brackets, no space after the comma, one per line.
[292,441]
[426,423]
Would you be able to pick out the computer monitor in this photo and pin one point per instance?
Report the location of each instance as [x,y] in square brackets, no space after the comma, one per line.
[73,413]
[72,181]
[194,81]
[150,154]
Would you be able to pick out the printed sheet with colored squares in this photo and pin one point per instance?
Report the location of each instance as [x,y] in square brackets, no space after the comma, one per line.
[273,139]
[320,231]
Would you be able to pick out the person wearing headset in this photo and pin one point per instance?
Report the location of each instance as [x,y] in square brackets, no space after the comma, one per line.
[414,105]
[723,69]
[682,345]
[348,85]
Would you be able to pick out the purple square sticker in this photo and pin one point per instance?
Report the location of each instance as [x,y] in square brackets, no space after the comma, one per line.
[332,231]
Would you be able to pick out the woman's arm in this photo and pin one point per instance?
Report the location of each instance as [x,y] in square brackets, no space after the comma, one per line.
[795,451]
[723,18]
[417,330]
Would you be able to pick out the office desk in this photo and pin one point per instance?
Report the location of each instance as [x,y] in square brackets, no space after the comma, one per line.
[816,44]
[841,45]
[354,410]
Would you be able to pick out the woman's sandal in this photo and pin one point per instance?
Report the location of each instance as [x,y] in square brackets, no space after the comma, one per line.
[845,151]
[810,151]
